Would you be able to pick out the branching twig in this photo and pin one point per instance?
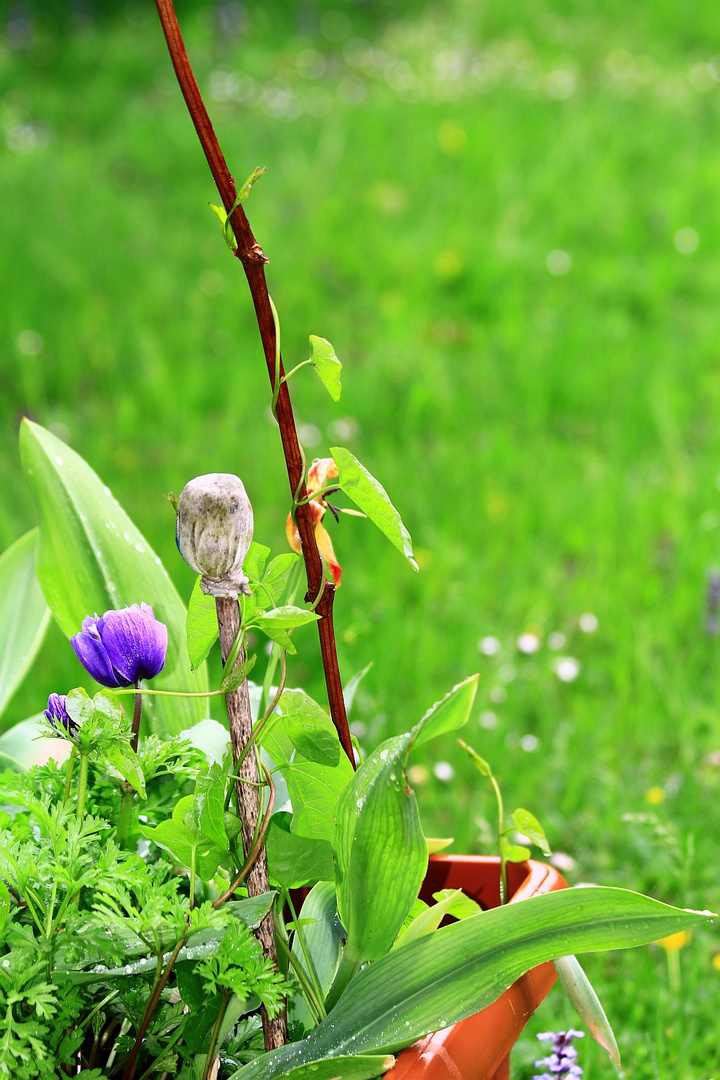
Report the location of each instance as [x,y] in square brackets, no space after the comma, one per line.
[253,259]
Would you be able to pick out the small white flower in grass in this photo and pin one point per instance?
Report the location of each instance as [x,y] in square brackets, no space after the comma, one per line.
[567,668]
[507,673]
[418,775]
[588,622]
[498,694]
[489,646]
[559,263]
[562,861]
[528,643]
[30,343]
[488,720]
[443,771]
[687,241]
[529,743]
[556,640]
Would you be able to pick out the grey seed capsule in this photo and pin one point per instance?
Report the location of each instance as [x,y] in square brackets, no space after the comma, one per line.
[214,529]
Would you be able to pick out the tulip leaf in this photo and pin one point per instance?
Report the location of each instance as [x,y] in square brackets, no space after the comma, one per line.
[91,558]
[323,936]
[201,625]
[586,1003]
[24,615]
[327,365]
[448,714]
[372,498]
[443,977]
[380,856]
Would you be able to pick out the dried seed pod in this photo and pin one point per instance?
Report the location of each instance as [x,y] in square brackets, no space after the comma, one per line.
[213,531]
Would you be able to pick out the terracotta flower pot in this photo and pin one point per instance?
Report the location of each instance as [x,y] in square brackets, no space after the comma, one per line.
[478,1048]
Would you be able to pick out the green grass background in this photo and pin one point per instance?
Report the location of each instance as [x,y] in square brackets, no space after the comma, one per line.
[552,441]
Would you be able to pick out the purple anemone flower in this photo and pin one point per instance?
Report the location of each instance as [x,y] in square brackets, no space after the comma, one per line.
[58,716]
[122,647]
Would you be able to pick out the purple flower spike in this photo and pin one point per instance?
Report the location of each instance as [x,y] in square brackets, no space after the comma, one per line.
[562,1063]
[123,646]
[57,714]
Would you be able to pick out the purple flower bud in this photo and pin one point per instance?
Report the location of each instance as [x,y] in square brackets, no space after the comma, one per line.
[57,714]
[123,646]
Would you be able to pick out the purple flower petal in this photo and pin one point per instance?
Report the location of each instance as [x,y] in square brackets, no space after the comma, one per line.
[93,656]
[136,642]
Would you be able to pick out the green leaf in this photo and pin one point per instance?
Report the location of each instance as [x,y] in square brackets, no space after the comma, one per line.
[201,625]
[294,861]
[238,675]
[91,558]
[323,936]
[327,365]
[448,714]
[255,560]
[529,826]
[461,906]
[346,1067]
[181,836]
[586,1003]
[4,904]
[202,944]
[79,705]
[225,227]
[277,574]
[286,617]
[513,852]
[443,977]
[210,803]
[351,686]
[309,728]
[127,763]
[313,788]
[428,919]
[380,856]
[369,494]
[24,615]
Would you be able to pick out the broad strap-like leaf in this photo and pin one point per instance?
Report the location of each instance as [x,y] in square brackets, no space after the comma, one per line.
[444,977]
[372,498]
[448,714]
[584,1000]
[91,558]
[380,855]
[24,615]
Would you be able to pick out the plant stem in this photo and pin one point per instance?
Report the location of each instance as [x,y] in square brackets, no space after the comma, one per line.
[82,785]
[253,259]
[137,717]
[149,1010]
[69,774]
[249,799]
[216,1032]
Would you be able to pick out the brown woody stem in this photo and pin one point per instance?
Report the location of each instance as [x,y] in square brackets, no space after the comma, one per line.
[249,799]
[253,260]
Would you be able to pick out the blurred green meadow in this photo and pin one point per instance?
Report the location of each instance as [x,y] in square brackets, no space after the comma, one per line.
[505,218]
